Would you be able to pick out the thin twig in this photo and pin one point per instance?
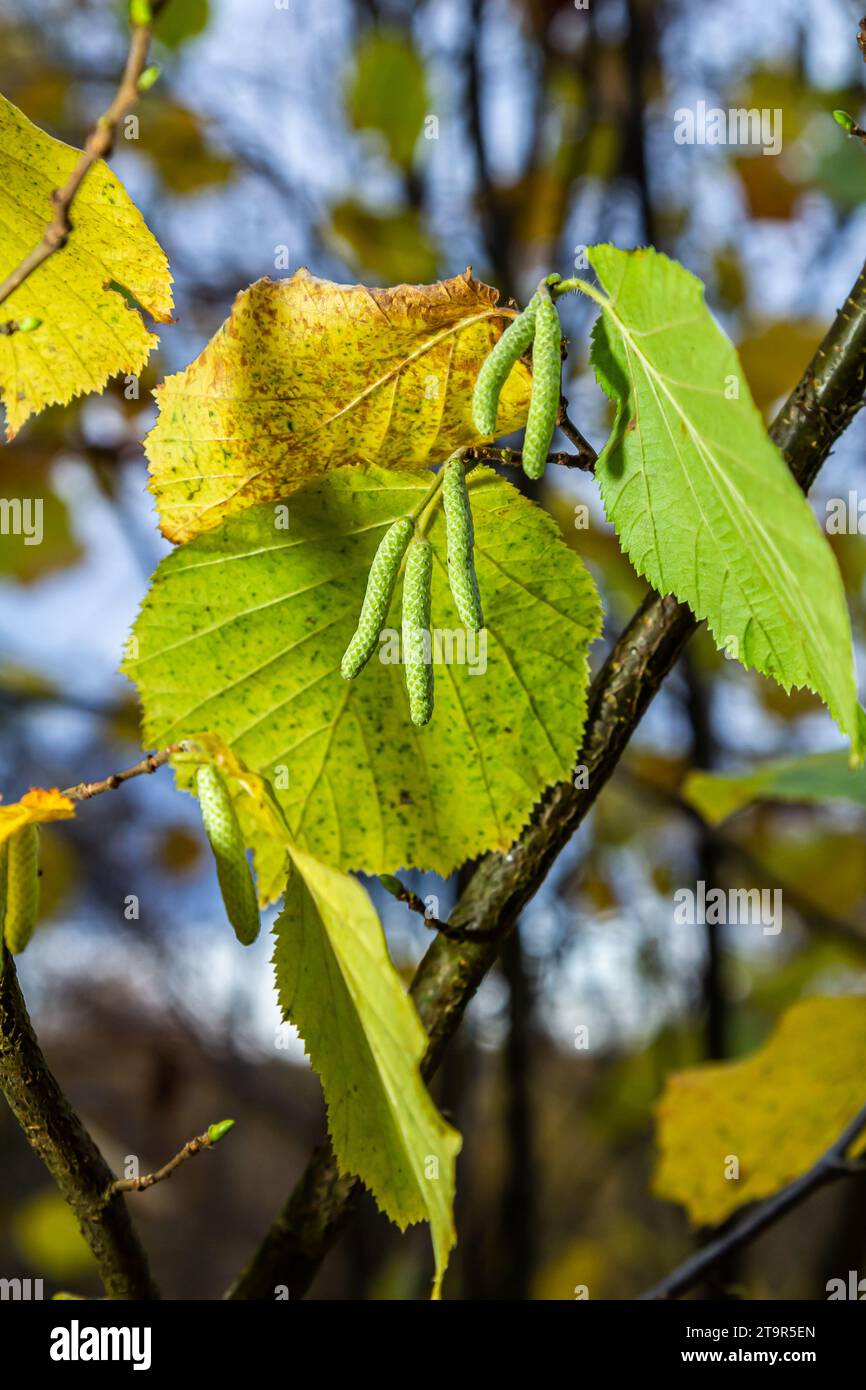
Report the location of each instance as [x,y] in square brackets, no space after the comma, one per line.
[399,890]
[98,145]
[830,1166]
[587,458]
[488,453]
[189,1150]
[83,791]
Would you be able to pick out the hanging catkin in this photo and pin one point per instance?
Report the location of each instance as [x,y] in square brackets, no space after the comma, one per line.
[233,871]
[22,888]
[377,599]
[417,642]
[497,365]
[460,539]
[546,382]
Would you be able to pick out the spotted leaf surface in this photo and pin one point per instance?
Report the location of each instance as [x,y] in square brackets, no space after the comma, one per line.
[306,376]
[244,629]
[88,332]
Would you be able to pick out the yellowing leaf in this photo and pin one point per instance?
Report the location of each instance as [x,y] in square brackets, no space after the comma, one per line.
[88,331]
[35,806]
[775,1113]
[336,981]
[307,375]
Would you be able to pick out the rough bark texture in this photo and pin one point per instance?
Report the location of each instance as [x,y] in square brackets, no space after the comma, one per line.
[58,1137]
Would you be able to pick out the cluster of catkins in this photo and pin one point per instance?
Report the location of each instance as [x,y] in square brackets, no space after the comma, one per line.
[19,887]
[382,580]
[538,325]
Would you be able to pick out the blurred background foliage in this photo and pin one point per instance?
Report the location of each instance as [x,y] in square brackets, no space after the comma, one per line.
[384,142]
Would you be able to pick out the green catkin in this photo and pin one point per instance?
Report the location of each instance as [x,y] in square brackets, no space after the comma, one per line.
[546,383]
[417,643]
[460,537]
[233,871]
[22,888]
[377,599]
[497,365]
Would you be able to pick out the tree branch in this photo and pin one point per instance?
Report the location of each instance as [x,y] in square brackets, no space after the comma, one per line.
[56,1134]
[192,1147]
[815,415]
[83,791]
[97,146]
[830,1166]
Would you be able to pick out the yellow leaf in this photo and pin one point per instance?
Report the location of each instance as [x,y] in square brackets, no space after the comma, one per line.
[775,1113]
[307,375]
[88,331]
[35,806]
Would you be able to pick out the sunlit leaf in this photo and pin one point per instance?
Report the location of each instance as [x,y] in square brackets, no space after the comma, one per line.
[35,806]
[244,629]
[88,333]
[307,375]
[702,500]
[335,981]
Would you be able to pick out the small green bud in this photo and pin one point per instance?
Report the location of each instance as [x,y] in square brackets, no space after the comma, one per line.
[218,1131]
[140,12]
[844,120]
[393,885]
[148,77]
[28,324]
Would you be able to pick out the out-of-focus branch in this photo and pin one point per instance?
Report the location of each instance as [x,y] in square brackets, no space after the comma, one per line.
[831,1165]
[58,1137]
[97,146]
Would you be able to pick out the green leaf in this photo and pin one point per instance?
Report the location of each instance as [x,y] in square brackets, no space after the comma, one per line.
[87,332]
[701,498]
[819,778]
[388,91]
[776,1112]
[243,634]
[336,982]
